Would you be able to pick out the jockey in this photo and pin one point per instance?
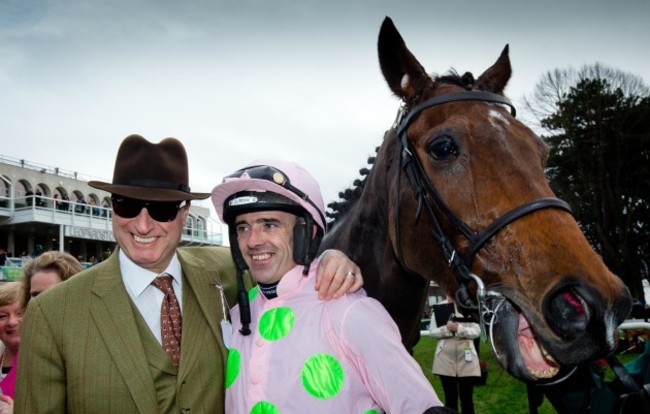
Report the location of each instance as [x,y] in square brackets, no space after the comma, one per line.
[295,353]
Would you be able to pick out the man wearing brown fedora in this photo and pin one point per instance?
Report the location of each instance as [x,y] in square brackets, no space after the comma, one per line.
[93,343]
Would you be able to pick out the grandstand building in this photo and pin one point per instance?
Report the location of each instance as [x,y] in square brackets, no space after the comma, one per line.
[46,208]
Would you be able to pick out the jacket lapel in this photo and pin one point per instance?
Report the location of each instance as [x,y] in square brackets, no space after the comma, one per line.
[113,315]
[201,300]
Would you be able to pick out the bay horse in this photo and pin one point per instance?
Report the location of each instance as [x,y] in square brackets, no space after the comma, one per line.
[457,194]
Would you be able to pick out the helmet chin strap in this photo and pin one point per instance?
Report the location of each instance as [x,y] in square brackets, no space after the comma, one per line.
[242,293]
[244,304]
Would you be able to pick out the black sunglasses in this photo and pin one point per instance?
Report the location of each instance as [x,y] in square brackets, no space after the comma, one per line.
[162,211]
[268,173]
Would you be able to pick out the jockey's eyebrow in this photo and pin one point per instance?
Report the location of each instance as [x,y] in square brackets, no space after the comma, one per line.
[264,220]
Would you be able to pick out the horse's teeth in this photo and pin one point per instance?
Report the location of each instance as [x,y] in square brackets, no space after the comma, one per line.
[548,373]
[551,371]
[546,355]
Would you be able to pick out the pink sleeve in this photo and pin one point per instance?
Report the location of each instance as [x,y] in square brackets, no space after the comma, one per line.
[372,341]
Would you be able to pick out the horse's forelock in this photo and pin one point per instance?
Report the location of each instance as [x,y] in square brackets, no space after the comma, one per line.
[465,80]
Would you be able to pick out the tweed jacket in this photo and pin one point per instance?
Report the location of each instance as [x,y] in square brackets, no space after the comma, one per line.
[82,347]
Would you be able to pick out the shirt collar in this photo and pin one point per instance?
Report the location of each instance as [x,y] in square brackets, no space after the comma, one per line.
[293,279]
[139,278]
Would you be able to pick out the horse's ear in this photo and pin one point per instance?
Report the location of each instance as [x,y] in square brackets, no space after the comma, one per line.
[405,75]
[497,76]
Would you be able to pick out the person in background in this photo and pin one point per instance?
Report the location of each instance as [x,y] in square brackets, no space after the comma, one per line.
[29,195]
[39,198]
[65,204]
[143,331]
[293,353]
[39,274]
[456,360]
[11,316]
[45,271]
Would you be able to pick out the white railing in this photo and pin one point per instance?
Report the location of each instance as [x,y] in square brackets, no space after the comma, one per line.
[77,213]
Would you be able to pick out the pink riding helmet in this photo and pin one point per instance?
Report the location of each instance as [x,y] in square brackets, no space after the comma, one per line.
[281,177]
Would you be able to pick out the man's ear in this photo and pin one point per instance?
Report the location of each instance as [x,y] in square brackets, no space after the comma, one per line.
[185,211]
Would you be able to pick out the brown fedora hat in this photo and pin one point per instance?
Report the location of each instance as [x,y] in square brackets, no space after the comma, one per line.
[152,172]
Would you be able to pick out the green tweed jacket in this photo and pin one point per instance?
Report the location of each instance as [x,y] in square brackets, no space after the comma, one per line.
[81,350]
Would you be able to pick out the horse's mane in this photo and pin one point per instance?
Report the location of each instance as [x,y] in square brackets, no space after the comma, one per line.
[350,195]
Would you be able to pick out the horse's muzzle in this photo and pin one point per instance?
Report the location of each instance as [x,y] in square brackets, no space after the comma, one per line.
[574,324]
[584,320]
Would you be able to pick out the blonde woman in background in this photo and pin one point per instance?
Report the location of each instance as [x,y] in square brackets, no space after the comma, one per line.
[47,270]
[11,316]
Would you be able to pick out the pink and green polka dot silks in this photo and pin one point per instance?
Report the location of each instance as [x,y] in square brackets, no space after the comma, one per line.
[306,355]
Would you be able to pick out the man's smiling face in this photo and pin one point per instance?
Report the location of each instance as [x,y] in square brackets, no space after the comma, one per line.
[149,243]
[265,239]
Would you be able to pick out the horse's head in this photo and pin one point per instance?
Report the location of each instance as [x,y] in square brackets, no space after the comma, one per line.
[472,177]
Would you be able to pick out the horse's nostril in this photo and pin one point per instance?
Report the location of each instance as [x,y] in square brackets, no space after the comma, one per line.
[566,313]
[573,301]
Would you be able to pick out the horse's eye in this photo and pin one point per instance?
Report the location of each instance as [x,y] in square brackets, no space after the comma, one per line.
[445,147]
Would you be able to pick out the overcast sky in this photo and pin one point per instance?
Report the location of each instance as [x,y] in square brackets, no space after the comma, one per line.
[237,80]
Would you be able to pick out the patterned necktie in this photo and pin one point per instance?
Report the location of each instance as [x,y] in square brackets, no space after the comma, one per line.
[171,320]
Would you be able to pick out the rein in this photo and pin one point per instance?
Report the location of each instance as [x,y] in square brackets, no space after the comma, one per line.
[428,196]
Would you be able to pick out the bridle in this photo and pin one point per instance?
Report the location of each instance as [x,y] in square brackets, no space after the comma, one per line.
[428,196]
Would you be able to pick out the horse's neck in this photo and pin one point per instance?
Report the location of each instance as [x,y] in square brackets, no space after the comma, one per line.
[364,235]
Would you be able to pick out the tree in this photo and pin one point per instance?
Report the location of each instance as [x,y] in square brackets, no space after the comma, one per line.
[598,128]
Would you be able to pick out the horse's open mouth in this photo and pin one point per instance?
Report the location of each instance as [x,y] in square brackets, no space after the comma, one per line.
[519,348]
[537,360]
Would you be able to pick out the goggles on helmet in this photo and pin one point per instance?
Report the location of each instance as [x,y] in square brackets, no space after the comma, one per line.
[274,175]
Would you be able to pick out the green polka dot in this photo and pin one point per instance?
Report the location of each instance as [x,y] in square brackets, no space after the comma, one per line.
[371,412]
[276,323]
[322,376]
[252,294]
[264,407]
[232,366]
